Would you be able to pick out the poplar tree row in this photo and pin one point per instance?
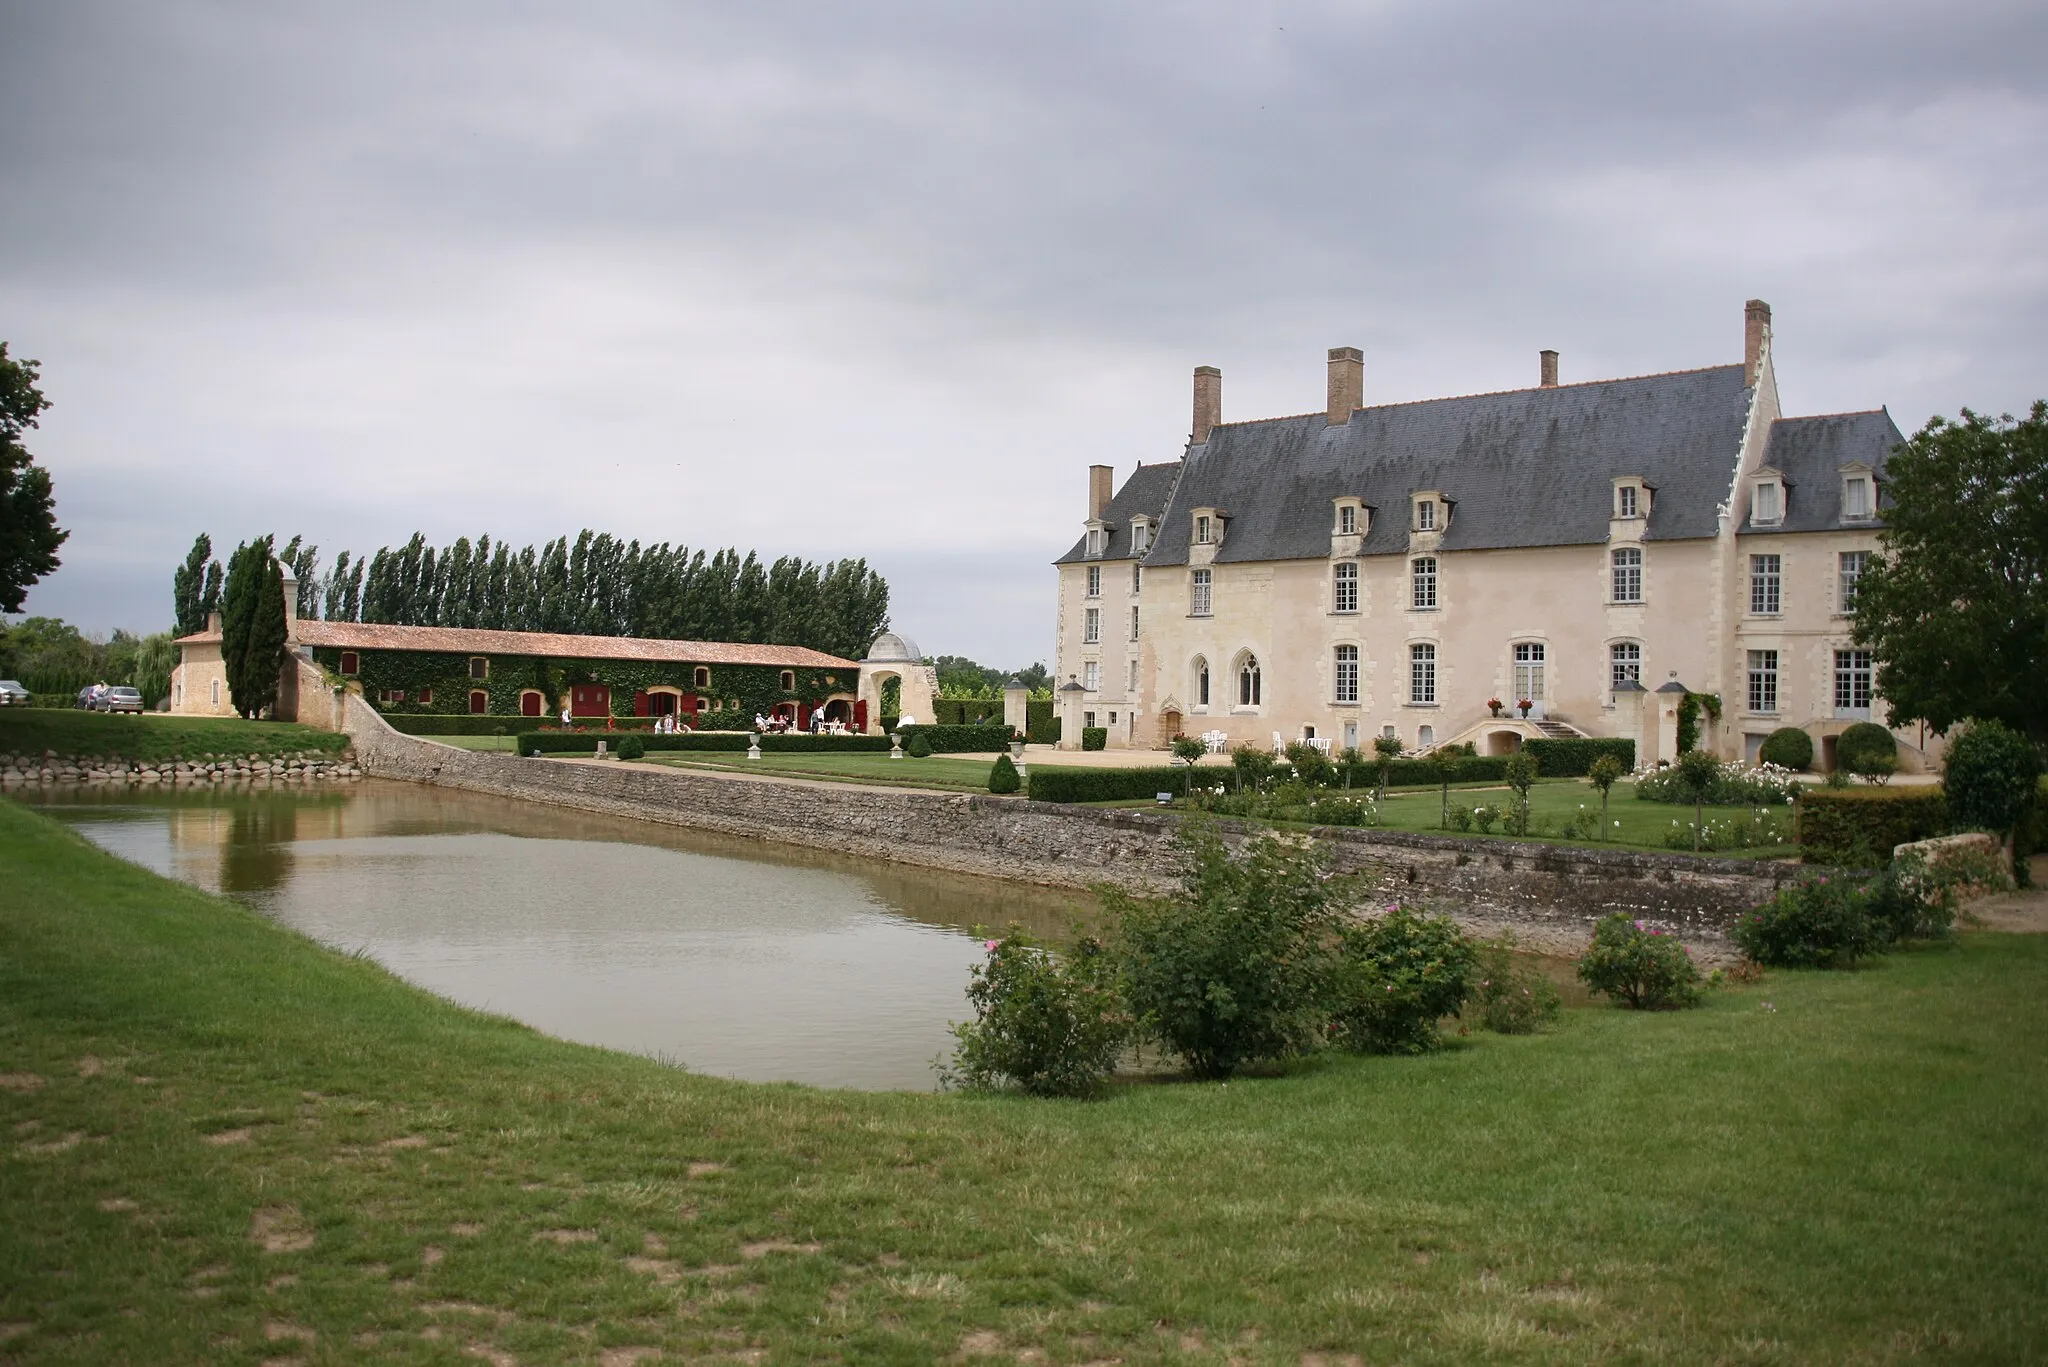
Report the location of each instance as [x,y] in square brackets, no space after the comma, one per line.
[595,585]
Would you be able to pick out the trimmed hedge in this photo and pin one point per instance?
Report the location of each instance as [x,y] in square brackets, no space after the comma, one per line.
[967,711]
[1848,825]
[427,724]
[585,742]
[803,742]
[1573,756]
[1788,747]
[1052,784]
[1415,773]
[1095,738]
[957,740]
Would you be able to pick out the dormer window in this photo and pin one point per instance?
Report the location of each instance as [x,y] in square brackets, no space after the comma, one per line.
[1857,501]
[1141,535]
[1098,540]
[1625,501]
[1205,530]
[1767,502]
[1425,515]
[1347,519]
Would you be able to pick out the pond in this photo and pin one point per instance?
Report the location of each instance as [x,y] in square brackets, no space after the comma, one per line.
[728,956]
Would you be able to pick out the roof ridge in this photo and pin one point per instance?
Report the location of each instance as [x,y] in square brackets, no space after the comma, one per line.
[1844,413]
[1493,393]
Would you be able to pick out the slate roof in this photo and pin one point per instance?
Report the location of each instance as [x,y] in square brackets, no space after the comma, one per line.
[1527,467]
[1810,453]
[471,641]
[1143,495]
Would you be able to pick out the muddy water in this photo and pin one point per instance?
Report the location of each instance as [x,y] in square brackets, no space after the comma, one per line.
[728,956]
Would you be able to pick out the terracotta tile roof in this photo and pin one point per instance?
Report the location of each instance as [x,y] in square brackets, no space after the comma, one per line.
[468,641]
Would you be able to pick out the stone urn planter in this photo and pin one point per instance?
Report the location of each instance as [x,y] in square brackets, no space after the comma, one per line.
[1525,705]
[1493,704]
[895,746]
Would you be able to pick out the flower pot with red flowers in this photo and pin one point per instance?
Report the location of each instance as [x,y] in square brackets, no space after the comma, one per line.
[1494,705]
[1525,705]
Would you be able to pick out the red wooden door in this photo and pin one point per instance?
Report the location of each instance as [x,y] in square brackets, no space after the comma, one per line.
[590,700]
[860,716]
[529,704]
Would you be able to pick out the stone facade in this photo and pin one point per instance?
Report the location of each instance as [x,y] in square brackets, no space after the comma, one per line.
[312,766]
[1551,895]
[1199,635]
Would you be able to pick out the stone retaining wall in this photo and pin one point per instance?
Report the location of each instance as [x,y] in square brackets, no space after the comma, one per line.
[1551,895]
[311,766]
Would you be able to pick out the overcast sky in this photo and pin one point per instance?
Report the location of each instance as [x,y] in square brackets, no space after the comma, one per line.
[883,279]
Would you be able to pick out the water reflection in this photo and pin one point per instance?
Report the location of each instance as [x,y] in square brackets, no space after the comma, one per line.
[732,956]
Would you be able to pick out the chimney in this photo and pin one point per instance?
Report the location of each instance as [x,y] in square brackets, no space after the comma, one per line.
[1208,401]
[1756,325]
[1549,367]
[291,601]
[213,624]
[1098,491]
[1347,383]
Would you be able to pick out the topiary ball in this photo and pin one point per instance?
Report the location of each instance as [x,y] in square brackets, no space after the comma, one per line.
[1788,747]
[632,747]
[1866,747]
[919,747]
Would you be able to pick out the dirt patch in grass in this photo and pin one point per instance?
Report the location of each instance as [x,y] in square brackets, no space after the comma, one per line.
[280,1229]
[20,1083]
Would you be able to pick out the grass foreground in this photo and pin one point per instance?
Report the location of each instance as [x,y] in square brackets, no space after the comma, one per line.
[223,1143]
[153,737]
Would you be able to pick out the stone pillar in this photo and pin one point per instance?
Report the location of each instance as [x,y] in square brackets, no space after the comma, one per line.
[1071,695]
[1015,695]
[1667,697]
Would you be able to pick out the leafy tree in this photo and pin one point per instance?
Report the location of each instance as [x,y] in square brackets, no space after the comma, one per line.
[188,586]
[1386,749]
[1955,606]
[1520,772]
[1605,772]
[252,626]
[1189,751]
[1698,771]
[29,535]
[155,658]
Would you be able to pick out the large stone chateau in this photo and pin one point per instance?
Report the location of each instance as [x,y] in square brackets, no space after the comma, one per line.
[1596,549]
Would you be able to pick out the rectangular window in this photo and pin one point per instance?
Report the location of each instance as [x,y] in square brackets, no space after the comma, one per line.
[1347,673]
[1202,527]
[1422,674]
[1134,624]
[1137,578]
[1422,582]
[1091,676]
[1628,575]
[1344,587]
[1095,581]
[1625,500]
[1763,680]
[1133,685]
[1141,537]
[1347,520]
[1851,566]
[1529,671]
[1095,542]
[1091,626]
[426,696]
[350,663]
[1625,661]
[1767,505]
[1856,497]
[1088,719]
[1425,515]
[1852,681]
[1764,572]
[1198,598]
[479,667]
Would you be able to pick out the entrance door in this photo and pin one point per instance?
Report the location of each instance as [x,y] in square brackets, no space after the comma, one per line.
[661,704]
[1529,675]
[529,703]
[590,700]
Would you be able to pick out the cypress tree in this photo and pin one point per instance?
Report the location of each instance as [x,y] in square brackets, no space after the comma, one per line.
[252,626]
[188,587]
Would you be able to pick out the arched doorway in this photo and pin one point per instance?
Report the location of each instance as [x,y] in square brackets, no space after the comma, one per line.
[1170,726]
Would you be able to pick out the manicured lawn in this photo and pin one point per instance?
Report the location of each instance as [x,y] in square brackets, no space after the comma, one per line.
[1630,821]
[153,736]
[960,775]
[220,1142]
[502,744]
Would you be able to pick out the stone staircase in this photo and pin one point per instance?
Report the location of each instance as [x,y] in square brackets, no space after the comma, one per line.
[1558,730]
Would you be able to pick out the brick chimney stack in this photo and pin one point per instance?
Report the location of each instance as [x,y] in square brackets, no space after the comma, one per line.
[1208,401]
[1098,491]
[291,602]
[1549,368]
[1347,383]
[1756,326]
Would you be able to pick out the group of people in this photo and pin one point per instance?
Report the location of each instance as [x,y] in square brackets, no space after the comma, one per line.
[782,722]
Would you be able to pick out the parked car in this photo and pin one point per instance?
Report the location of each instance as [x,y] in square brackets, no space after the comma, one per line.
[12,694]
[121,698]
[86,698]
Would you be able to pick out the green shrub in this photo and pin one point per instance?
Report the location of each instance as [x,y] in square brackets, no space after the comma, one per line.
[967,711]
[1604,773]
[462,724]
[1573,756]
[1731,786]
[1041,722]
[889,725]
[1232,967]
[1046,1024]
[1422,773]
[1825,923]
[1094,738]
[1788,747]
[1050,783]
[920,746]
[1521,776]
[1002,776]
[1510,996]
[633,747]
[1643,969]
[1867,749]
[1990,774]
[1396,977]
[957,740]
[1860,826]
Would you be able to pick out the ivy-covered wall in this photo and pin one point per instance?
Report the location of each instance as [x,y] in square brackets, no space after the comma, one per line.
[736,690]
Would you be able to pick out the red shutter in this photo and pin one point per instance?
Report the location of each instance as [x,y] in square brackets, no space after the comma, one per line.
[640,703]
[479,701]
[803,716]
[860,716]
